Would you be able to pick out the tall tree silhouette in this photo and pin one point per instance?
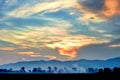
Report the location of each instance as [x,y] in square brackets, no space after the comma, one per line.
[116,70]
[22,69]
[100,71]
[107,70]
[49,69]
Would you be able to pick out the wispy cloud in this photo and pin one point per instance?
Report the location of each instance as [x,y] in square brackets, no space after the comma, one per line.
[114,46]
[34,36]
[51,37]
[27,53]
[33,54]
[45,7]
[7,48]
[92,28]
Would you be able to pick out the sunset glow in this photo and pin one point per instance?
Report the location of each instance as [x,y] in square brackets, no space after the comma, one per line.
[59,29]
[111,7]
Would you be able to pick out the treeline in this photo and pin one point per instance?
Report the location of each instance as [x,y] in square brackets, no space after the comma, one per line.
[64,70]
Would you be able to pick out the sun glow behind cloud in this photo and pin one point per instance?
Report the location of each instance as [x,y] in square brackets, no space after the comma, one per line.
[68,46]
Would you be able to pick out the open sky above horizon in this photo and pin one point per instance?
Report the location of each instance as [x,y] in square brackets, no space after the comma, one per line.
[59,29]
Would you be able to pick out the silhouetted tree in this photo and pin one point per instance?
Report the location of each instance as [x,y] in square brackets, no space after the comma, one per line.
[39,69]
[116,70]
[1,70]
[107,70]
[91,70]
[22,69]
[49,69]
[34,70]
[10,70]
[55,68]
[100,71]
[29,71]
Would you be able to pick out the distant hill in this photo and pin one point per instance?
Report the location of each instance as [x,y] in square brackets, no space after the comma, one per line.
[81,64]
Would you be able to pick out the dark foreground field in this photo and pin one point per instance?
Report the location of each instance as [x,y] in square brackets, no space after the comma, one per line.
[109,76]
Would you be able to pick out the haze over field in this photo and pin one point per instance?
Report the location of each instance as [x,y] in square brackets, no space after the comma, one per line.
[59,30]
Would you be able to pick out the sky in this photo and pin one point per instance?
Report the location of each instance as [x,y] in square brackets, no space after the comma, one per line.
[59,30]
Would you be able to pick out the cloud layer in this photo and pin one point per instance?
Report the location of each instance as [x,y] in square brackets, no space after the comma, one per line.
[57,29]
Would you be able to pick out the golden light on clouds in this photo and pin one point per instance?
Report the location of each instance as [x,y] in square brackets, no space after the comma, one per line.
[7,48]
[50,57]
[68,46]
[33,54]
[27,53]
[111,8]
[70,51]
[114,46]
[40,29]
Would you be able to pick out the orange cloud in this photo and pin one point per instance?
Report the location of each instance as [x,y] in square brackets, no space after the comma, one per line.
[111,8]
[70,51]
[68,46]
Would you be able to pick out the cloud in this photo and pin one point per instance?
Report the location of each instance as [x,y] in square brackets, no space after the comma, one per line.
[33,54]
[114,43]
[24,59]
[98,10]
[28,10]
[89,11]
[27,53]
[114,46]
[34,36]
[111,8]
[7,48]
[28,30]
[50,57]
[51,37]
[68,46]
[95,29]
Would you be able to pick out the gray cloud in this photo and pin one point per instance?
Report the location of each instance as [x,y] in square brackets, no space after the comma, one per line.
[94,5]
[99,51]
